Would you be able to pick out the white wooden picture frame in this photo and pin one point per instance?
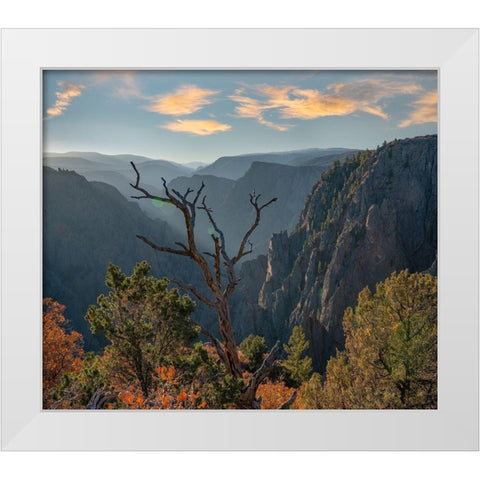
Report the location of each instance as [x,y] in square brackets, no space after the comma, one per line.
[453,426]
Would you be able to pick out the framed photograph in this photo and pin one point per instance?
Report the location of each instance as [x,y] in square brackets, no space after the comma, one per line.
[240,239]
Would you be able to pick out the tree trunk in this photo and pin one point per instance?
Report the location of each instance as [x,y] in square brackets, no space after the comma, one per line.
[247,398]
[228,352]
[230,345]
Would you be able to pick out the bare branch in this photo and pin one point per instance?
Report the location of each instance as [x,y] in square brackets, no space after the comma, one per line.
[185,253]
[189,210]
[180,244]
[191,206]
[216,343]
[230,288]
[198,193]
[220,248]
[248,393]
[195,292]
[180,196]
[267,364]
[254,201]
[219,232]
[146,194]
[218,272]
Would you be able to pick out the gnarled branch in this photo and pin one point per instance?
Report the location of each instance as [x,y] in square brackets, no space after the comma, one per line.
[195,292]
[216,343]
[146,194]
[184,252]
[248,393]
[258,209]
[219,232]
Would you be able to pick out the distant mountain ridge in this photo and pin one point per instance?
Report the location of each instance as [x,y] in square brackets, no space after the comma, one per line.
[234,167]
[225,194]
[86,162]
[110,159]
[117,171]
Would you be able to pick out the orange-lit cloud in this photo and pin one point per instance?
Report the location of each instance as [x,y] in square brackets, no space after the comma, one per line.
[184,101]
[197,127]
[309,104]
[425,110]
[249,107]
[340,99]
[64,95]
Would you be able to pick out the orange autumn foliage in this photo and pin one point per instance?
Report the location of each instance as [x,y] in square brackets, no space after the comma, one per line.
[166,373]
[62,351]
[182,396]
[274,394]
[167,395]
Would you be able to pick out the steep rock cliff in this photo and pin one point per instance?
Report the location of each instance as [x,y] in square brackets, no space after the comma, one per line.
[374,214]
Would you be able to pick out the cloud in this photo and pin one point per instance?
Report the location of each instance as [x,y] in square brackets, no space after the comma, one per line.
[310,104]
[373,90]
[64,96]
[281,127]
[185,100]
[127,87]
[425,110]
[197,127]
[122,82]
[249,107]
[338,99]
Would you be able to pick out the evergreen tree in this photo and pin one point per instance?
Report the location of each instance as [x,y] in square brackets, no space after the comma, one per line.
[390,357]
[311,393]
[146,323]
[254,348]
[297,365]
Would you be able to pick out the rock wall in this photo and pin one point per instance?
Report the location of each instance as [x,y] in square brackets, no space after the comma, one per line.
[373,215]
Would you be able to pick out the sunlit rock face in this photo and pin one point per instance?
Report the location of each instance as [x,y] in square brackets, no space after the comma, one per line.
[366,218]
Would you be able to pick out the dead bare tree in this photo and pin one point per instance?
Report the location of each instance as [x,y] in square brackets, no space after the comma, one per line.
[220,289]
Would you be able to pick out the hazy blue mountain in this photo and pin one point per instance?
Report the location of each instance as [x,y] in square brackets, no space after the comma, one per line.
[289,184]
[216,188]
[235,166]
[117,171]
[86,225]
[83,162]
[194,165]
[232,211]
[73,163]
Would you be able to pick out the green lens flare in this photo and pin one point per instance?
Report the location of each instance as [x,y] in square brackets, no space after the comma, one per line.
[165,207]
[158,203]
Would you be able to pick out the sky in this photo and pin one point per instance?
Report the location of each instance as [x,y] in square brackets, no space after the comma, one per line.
[199,116]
